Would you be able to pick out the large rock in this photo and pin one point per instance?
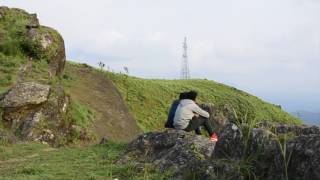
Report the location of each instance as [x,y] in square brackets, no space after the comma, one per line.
[220,116]
[304,157]
[39,42]
[241,153]
[173,150]
[36,112]
[284,151]
[25,94]
[52,48]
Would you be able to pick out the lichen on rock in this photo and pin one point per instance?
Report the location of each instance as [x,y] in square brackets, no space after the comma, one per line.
[25,94]
[35,111]
[237,155]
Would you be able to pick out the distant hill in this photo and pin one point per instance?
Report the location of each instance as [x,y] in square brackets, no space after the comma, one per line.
[311,118]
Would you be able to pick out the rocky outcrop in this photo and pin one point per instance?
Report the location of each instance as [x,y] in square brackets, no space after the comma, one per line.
[36,41]
[285,151]
[172,150]
[220,116]
[25,94]
[240,153]
[35,112]
[304,157]
[52,48]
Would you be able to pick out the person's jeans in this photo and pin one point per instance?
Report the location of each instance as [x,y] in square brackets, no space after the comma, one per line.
[197,122]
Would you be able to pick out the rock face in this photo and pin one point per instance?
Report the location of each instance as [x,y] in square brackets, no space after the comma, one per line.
[239,154]
[35,112]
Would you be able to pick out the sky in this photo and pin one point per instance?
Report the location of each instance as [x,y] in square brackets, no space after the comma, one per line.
[269,48]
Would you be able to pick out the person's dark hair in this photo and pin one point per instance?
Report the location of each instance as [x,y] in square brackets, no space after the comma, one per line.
[183,95]
[192,95]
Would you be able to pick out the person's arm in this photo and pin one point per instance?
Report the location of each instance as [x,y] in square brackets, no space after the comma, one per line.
[196,109]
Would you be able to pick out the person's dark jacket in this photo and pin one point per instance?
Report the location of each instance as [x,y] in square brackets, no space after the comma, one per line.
[172,111]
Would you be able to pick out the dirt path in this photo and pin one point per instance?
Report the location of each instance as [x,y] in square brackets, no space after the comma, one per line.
[93,89]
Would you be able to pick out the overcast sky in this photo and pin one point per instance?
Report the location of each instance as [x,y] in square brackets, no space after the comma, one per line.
[270,48]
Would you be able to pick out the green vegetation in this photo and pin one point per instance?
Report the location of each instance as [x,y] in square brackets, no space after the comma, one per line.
[282,142]
[14,38]
[9,66]
[38,161]
[81,118]
[149,100]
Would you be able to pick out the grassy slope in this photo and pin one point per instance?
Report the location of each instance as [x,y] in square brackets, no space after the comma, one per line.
[91,88]
[38,161]
[149,99]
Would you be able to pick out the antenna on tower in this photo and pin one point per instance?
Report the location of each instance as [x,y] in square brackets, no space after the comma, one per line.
[185,72]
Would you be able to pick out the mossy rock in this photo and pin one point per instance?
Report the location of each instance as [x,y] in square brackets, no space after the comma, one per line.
[22,35]
[51,48]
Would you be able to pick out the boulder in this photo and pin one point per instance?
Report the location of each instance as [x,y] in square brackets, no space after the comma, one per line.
[230,144]
[173,150]
[296,130]
[304,157]
[36,112]
[25,94]
[52,48]
[220,116]
[240,153]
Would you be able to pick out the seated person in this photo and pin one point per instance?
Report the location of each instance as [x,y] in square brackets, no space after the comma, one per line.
[189,116]
[172,111]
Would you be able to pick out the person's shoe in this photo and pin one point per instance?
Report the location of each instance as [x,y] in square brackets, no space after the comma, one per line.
[214,137]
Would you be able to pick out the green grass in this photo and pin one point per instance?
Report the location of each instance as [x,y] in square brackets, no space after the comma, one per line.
[149,99]
[81,118]
[14,39]
[38,161]
[9,66]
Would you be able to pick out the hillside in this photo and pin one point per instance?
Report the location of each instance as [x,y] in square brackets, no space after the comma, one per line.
[90,87]
[149,100]
[30,52]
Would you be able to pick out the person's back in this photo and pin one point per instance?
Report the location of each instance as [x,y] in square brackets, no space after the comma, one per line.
[172,111]
[185,112]
[189,116]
